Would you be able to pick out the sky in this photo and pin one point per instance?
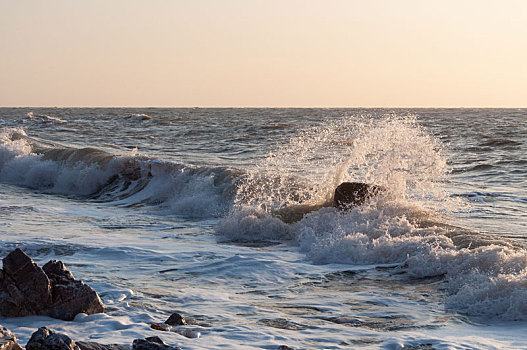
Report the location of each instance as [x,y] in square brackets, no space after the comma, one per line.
[269,53]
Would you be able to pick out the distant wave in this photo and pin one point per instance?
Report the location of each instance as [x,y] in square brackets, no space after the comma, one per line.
[500,143]
[138,117]
[476,168]
[481,167]
[277,126]
[43,118]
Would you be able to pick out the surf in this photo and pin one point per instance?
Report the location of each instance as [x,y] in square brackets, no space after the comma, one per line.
[409,224]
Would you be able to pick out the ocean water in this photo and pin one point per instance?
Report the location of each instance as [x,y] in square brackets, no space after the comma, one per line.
[222,215]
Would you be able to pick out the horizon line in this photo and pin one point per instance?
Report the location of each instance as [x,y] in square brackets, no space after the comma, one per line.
[280,107]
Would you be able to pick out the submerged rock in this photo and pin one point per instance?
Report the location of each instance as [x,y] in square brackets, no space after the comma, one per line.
[160,327]
[347,195]
[352,194]
[8,340]
[173,323]
[88,345]
[152,343]
[26,289]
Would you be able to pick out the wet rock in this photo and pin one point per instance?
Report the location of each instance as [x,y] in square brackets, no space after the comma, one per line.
[56,271]
[188,333]
[26,289]
[70,296]
[87,345]
[284,347]
[174,323]
[282,323]
[352,194]
[419,347]
[47,339]
[176,320]
[151,343]
[8,340]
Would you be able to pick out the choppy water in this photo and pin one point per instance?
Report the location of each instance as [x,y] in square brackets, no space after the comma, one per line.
[220,214]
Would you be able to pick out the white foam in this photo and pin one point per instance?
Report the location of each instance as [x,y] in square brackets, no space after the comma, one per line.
[253,224]
[13,144]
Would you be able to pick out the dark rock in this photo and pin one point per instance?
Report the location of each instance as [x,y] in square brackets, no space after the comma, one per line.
[294,213]
[160,327]
[352,194]
[57,271]
[87,345]
[70,296]
[8,340]
[151,343]
[176,320]
[284,347]
[47,339]
[26,289]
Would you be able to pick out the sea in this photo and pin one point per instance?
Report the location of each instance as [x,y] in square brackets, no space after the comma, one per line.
[224,216]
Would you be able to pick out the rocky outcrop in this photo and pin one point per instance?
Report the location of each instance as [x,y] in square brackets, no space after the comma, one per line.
[152,343]
[8,340]
[26,289]
[352,194]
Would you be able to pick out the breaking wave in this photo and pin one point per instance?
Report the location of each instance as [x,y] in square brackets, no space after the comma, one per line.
[127,180]
[287,197]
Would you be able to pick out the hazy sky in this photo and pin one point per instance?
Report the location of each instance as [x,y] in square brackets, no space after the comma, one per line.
[327,53]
